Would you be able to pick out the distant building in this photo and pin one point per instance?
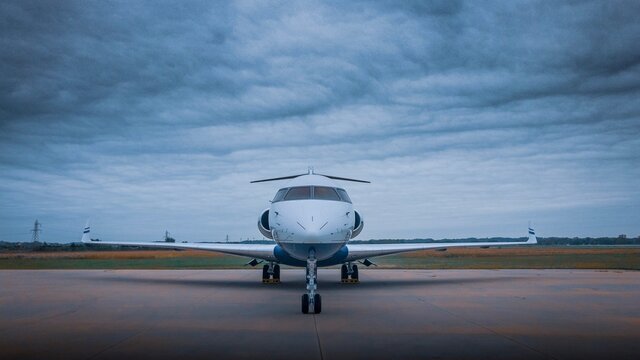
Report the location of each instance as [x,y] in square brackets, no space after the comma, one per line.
[168,238]
[622,236]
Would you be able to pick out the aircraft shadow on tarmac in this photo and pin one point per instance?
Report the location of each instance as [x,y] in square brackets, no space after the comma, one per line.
[298,283]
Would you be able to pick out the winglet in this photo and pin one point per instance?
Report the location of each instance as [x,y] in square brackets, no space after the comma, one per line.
[85,233]
[532,236]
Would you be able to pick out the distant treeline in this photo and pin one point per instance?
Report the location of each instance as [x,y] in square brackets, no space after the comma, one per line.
[96,246]
[44,246]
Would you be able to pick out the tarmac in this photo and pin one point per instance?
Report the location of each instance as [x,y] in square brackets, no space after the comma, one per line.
[390,314]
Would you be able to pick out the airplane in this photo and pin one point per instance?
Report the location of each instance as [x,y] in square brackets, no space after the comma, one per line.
[311,220]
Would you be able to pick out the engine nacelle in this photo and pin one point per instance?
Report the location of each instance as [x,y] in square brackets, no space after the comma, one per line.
[359,224]
[263,224]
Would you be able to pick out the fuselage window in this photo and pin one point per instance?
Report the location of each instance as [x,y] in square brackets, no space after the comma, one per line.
[280,195]
[325,193]
[344,196]
[299,193]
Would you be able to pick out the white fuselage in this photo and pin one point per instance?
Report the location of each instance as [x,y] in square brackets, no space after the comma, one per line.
[316,219]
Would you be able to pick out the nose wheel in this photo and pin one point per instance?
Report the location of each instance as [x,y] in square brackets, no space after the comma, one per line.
[311,301]
[306,304]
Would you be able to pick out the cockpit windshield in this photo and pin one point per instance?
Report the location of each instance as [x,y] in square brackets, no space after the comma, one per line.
[311,192]
[325,193]
[343,195]
[280,195]
[298,193]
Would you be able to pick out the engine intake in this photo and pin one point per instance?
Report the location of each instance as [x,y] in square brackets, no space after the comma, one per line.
[359,224]
[263,224]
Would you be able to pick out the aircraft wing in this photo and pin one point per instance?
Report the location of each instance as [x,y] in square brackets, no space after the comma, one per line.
[259,251]
[363,251]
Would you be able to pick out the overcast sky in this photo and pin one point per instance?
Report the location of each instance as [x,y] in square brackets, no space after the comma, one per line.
[470,118]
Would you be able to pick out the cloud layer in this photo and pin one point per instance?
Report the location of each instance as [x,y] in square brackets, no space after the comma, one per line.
[469,118]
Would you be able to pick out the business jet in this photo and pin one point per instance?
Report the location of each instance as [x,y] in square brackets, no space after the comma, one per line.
[311,221]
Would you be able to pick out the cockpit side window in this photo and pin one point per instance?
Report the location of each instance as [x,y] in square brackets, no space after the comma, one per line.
[325,193]
[280,195]
[299,193]
[344,196]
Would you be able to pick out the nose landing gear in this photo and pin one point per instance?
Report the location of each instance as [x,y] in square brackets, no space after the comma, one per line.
[349,273]
[311,301]
[271,273]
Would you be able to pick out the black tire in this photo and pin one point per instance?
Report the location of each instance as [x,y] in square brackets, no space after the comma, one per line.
[317,303]
[343,272]
[354,274]
[265,272]
[276,272]
[305,303]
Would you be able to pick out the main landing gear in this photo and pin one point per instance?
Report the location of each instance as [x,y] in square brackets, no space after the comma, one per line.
[349,273]
[271,273]
[311,301]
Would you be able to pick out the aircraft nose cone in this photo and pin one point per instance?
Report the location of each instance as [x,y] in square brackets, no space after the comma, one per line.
[313,226]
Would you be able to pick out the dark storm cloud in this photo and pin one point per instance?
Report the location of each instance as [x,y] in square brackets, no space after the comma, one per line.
[154,103]
[77,58]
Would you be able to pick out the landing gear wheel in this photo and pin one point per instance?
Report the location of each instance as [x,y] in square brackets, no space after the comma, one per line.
[265,272]
[312,274]
[305,303]
[276,272]
[317,303]
[354,274]
[344,274]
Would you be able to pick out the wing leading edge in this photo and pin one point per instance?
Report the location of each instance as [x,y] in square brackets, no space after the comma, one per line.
[259,251]
[363,251]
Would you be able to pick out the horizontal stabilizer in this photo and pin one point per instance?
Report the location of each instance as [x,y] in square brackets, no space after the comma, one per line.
[310,173]
[278,178]
[345,179]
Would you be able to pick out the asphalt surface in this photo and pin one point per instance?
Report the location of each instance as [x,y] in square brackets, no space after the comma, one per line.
[391,314]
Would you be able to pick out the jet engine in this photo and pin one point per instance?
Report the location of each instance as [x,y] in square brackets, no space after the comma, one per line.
[359,224]
[263,224]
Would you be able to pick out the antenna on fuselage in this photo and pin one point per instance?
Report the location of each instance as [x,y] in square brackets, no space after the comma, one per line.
[310,171]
